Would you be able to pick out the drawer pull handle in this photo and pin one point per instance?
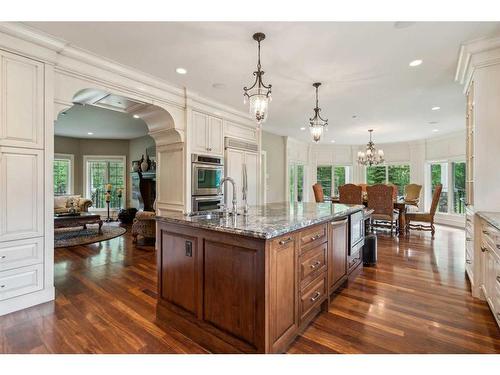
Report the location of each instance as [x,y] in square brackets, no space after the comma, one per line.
[2,286]
[468,239]
[285,241]
[486,232]
[315,297]
[3,257]
[468,261]
[315,237]
[498,279]
[315,264]
[483,249]
[498,247]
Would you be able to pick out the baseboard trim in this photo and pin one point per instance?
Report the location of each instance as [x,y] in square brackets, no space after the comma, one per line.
[23,302]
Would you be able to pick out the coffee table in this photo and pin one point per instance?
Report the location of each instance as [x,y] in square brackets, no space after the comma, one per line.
[69,221]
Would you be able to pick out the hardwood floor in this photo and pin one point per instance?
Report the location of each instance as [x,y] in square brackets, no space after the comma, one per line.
[416,300]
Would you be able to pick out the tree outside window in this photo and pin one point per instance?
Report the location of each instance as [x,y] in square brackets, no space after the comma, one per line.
[376,175]
[324,177]
[101,172]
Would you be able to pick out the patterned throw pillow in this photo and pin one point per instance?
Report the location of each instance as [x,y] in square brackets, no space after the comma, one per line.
[73,201]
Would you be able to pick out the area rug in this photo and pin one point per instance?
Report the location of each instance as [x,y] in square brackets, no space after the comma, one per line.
[66,237]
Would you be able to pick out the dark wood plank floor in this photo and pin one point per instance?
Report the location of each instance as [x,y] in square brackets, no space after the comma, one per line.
[416,300]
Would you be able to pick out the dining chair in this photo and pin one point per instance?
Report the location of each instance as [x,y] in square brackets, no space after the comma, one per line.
[381,201]
[412,194]
[350,194]
[425,217]
[394,191]
[318,193]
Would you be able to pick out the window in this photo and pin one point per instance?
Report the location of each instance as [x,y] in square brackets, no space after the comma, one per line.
[296,182]
[324,177]
[397,174]
[63,169]
[331,177]
[458,176]
[450,174]
[101,171]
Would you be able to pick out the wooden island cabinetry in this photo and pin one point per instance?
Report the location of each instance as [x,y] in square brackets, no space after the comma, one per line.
[234,292]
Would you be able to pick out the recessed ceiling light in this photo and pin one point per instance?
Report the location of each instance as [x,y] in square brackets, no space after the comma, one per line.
[435,130]
[415,63]
[90,133]
[181,71]
[302,128]
[436,108]
[136,116]
[333,141]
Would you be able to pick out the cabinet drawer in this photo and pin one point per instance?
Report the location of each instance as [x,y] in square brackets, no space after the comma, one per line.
[312,237]
[313,262]
[15,254]
[21,281]
[312,296]
[491,236]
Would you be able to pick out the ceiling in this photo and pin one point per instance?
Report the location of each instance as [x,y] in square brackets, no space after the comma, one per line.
[80,120]
[363,67]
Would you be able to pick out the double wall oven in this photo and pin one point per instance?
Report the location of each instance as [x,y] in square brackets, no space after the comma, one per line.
[206,175]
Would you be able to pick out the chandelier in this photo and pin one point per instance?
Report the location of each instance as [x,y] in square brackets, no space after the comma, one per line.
[259,95]
[317,123]
[371,156]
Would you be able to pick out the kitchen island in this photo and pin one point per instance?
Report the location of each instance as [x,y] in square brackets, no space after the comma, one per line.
[252,283]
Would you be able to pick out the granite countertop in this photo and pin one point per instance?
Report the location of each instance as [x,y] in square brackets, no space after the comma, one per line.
[492,218]
[268,221]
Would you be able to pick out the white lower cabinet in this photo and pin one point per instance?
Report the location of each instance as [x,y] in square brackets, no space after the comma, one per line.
[490,267]
[20,281]
[15,254]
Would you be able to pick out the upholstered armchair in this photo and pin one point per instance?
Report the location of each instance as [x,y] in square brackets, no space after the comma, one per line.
[380,199]
[425,217]
[144,225]
[318,193]
[350,194]
[412,194]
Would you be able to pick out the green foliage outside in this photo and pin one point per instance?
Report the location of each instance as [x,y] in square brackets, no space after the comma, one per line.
[300,183]
[61,177]
[324,177]
[102,173]
[375,175]
[339,176]
[398,175]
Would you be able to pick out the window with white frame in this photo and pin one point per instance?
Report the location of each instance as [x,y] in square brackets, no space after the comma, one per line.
[450,174]
[331,177]
[63,174]
[396,174]
[101,171]
[296,182]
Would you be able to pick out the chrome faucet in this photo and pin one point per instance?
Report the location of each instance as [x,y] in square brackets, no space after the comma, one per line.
[219,191]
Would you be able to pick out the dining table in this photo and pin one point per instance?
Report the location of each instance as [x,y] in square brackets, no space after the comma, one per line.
[399,204]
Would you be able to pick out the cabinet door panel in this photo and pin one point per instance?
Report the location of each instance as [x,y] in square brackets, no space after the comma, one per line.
[252,162]
[21,101]
[21,281]
[15,254]
[178,270]
[230,285]
[215,136]
[337,258]
[21,193]
[283,290]
[199,131]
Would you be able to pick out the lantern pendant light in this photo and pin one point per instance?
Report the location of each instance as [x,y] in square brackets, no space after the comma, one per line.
[317,124]
[258,95]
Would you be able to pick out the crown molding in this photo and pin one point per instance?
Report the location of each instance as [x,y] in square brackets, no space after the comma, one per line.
[476,54]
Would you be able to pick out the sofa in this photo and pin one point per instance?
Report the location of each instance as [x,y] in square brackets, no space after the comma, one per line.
[63,203]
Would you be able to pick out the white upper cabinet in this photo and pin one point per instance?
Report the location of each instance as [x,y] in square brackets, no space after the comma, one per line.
[215,136]
[21,193]
[207,134]
[241,132]
[21,101]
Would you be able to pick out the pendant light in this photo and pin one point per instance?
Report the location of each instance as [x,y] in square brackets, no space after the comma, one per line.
[259,95]
[317,124]
[371,156]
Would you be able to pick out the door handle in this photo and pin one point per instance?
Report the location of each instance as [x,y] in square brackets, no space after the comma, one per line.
[483,249]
